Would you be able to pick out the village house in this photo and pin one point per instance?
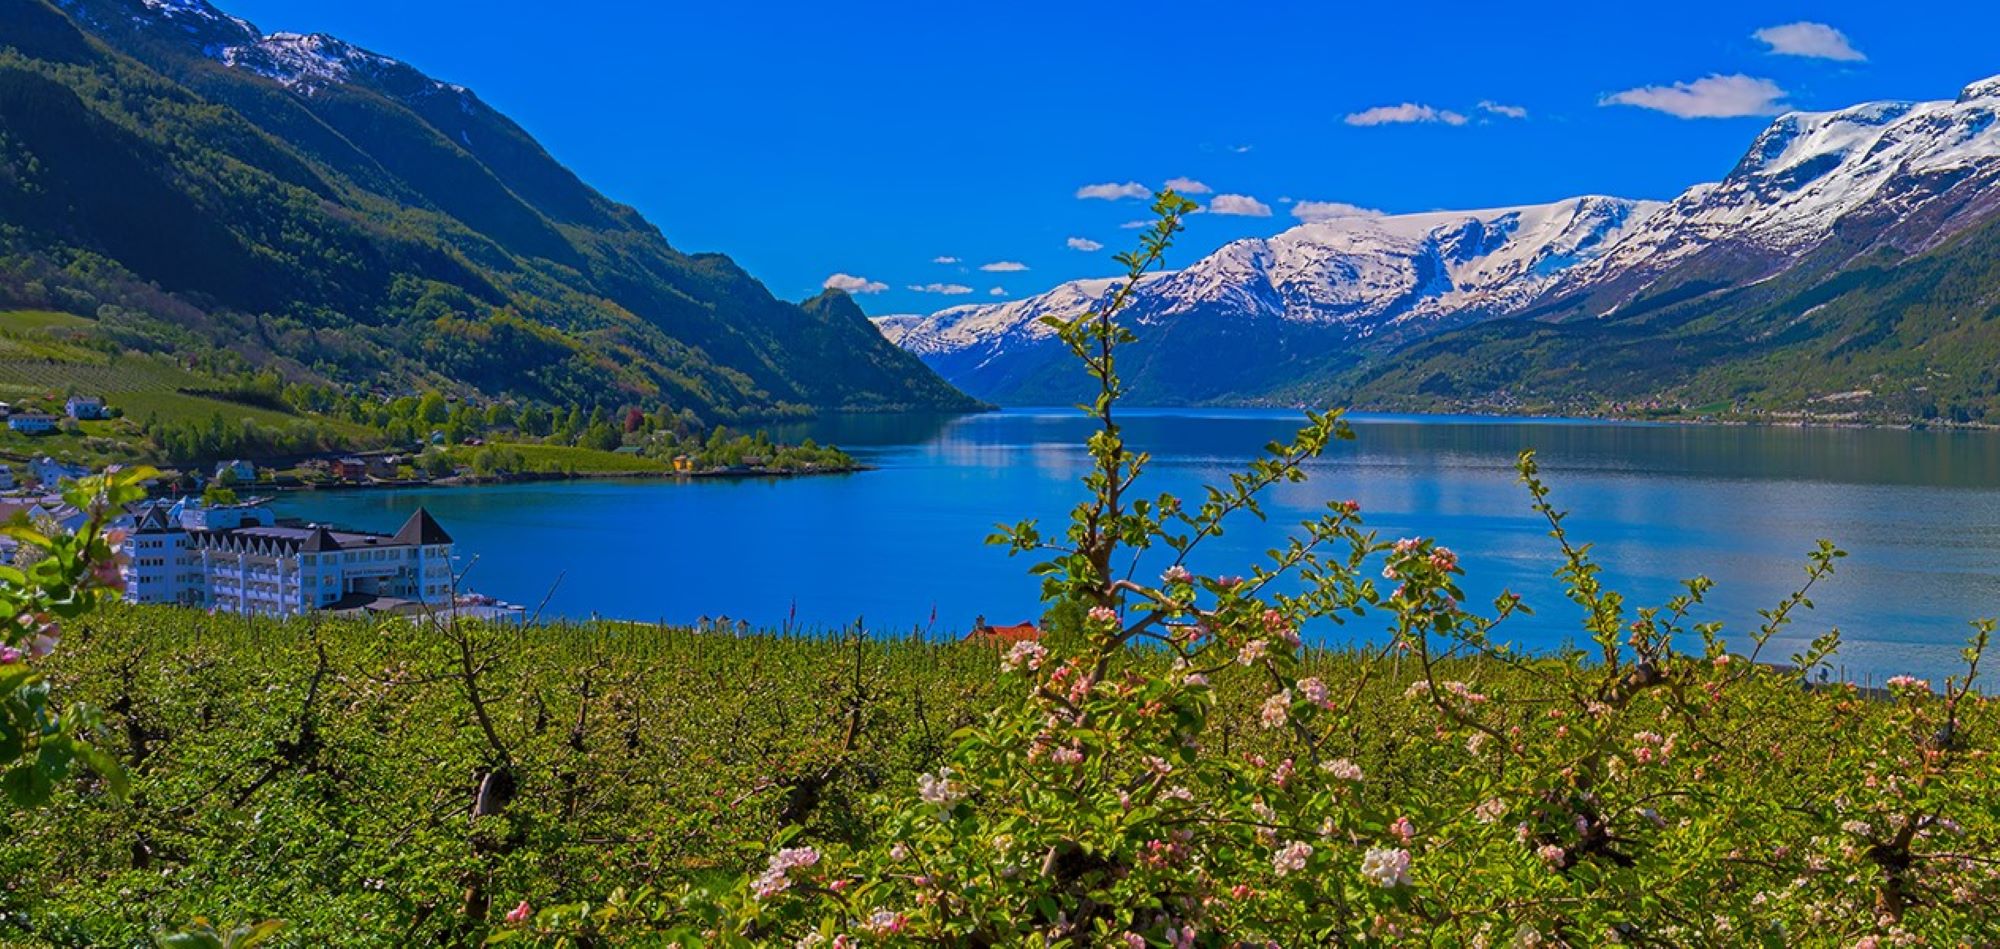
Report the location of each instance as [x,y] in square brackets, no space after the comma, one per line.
[7,478]
[50,473]
[238,470]
[32,423]
[350,469]
[239,559]
[84,408]
[982,631]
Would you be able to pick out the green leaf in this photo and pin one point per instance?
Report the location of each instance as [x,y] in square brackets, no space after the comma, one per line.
[27,785]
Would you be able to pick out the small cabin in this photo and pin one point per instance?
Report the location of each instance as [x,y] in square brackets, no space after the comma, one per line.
[240,470]
[32,423]
[350,469]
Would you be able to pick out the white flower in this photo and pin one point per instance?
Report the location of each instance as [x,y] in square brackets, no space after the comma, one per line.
[1252,651]
[1386,868]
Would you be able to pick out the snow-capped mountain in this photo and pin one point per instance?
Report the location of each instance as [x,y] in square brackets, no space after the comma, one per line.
[1334,281]
[1816,190]
[1901,174]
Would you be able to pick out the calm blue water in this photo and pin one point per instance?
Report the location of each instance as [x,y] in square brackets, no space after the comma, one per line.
[1919,512]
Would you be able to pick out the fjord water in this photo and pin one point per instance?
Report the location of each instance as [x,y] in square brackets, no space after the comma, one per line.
[900,547]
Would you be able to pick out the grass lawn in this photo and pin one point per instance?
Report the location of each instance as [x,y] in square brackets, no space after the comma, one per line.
[42,319]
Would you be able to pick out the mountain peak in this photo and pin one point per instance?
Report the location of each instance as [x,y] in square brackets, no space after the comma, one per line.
[1988,88]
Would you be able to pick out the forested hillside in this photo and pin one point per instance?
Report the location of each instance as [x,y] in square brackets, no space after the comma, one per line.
[295,203]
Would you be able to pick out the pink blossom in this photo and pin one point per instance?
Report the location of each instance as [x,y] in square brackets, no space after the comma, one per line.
[1252,651]
[1025,654]
[519,914]
[1343,769]
[1291,858]
[1490,810]
[886,923]
[1103,615]
[1404,829]
[939,790]
[1276,708]
[1551,854]
[776,877]
[1067,755]
[1909,682]
[1444,560]
[9,655]
[1176,574]
[1314,690]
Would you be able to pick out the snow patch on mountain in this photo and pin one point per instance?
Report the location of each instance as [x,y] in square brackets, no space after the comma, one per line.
[307,63]
[999,326]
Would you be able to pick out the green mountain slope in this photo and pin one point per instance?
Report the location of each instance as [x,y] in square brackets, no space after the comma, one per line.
[371,227]
[1886,337]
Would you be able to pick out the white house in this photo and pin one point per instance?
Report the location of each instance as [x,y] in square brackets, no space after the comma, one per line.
[84,407]
[50,473]
[238,559]
[32,423]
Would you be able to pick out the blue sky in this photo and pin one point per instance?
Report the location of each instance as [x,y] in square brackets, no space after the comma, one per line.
[813,139]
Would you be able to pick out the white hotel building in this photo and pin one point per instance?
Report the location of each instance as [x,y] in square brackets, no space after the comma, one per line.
[238,559]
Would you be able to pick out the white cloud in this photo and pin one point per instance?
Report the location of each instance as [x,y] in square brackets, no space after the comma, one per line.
[1241,205]
[1004,266]
[1408,112]
[1310,211]
[1084,244]
[997,292]
[1710,97]
[1188,186]
[1241,149]
[1135,225]
[1502,110]
[948,289]
[1112,191]
[1806,38]
[944,260]
[853,284]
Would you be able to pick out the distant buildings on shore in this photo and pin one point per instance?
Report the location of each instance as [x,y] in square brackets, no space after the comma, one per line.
[238,559]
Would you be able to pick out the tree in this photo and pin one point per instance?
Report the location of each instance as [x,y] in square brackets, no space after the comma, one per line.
[432,409]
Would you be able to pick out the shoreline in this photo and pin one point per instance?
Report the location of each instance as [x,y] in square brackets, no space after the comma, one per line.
[460,481]
[1490,414]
